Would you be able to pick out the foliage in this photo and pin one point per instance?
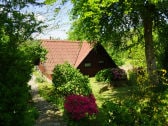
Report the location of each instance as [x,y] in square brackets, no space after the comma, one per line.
[68,80]
[80,106]
[116,114]
[16,65]
[103,75]
[118,74]
[145,105]
[162,52]
[119,57]
[32,115]
[139,80]
[111,74]
[39,76]
[136,105]
[34,51]
[117,22]
[40,80]
[62,74]
[47,91]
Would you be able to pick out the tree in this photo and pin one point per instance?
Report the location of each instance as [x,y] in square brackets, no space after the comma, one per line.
[162,52]
[117,21]
[15,62]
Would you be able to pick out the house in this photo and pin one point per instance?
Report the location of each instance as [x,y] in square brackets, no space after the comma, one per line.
[82,55]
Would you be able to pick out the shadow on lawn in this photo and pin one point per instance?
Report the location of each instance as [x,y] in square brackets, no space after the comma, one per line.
[104,91]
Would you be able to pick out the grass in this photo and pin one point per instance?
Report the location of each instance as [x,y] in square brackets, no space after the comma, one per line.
[110,93]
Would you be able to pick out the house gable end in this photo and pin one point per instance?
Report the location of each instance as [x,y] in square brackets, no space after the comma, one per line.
[96,60]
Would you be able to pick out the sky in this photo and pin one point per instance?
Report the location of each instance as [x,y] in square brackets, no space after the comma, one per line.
[58,24]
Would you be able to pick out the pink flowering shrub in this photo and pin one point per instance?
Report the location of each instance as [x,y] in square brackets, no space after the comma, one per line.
[118,74]
[78,106]
[111,74]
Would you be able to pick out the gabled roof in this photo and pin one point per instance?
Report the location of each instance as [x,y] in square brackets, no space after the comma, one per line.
[61,51]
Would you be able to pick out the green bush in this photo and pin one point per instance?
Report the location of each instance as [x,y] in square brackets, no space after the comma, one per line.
[111,74]
[103,75]
[150,106]
[62,74]
[14,91]
[138,79]
[68,80]
[116,115]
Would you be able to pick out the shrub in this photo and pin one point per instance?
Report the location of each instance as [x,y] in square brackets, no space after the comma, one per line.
[62,74]
[152,110]
[116,114]
[111,74]
[138,78]
[78,106]
[118,74]
[103,75]
[68,80]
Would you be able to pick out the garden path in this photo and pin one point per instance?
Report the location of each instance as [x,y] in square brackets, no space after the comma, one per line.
[49,115]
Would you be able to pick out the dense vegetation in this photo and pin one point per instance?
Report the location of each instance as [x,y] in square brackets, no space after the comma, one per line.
[134,32]
[74,86]
[68,80]
[138,27]
[136,104]
[111,74]
[16,62]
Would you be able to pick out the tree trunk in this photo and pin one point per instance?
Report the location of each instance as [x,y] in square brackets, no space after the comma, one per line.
[149,45]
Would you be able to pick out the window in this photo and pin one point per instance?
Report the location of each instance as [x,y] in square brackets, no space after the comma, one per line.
[101,62]
[88,64]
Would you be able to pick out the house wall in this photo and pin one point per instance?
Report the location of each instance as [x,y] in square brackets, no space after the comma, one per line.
[42,69]
[95,61]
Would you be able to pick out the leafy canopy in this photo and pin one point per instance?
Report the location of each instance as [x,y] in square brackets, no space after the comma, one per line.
[114,20]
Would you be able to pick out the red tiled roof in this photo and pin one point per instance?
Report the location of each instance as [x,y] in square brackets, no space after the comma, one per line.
[60,51]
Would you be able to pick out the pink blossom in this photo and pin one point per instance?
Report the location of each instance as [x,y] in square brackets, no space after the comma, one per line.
[79,106]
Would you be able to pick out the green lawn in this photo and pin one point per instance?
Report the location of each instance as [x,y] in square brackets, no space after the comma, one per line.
[112,93]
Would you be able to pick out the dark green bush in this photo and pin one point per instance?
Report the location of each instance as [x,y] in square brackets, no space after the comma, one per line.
[68,80]
[103,75]
[14,89]
[16,61]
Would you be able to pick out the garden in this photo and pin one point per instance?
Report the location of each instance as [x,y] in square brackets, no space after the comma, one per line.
[129,30]
[100,101]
